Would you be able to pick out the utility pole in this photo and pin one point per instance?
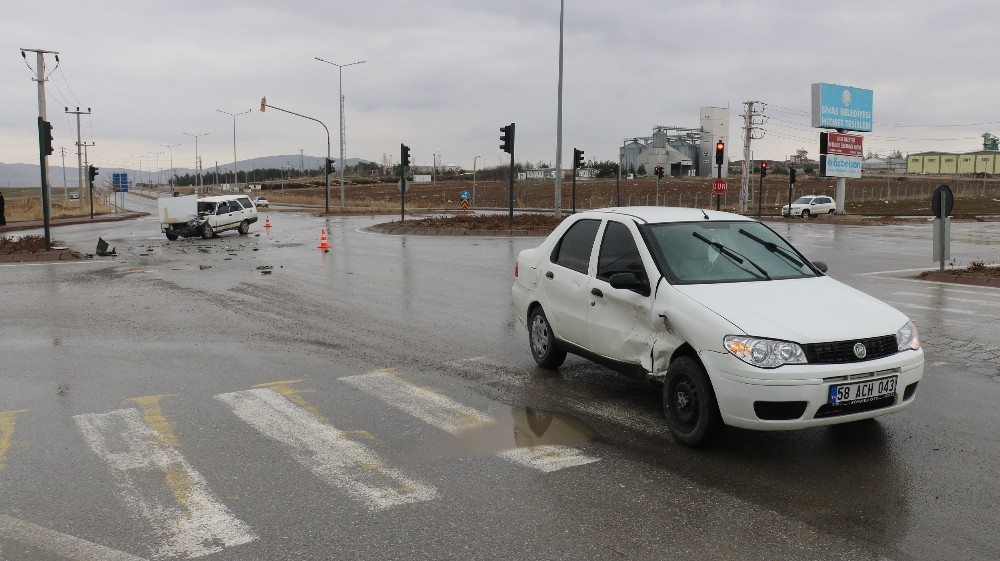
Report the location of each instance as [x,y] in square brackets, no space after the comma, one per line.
[62,151]
[44,138]
[79,149]
[559,96]
[752,119]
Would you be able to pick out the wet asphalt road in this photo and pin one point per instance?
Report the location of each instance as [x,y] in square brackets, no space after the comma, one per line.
[255,398]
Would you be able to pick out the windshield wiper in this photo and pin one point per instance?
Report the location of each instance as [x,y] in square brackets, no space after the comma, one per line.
[732,255]
[773,248]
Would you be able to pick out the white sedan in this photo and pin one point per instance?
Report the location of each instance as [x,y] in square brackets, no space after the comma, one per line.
[811,205]
[689,297]
[261,202]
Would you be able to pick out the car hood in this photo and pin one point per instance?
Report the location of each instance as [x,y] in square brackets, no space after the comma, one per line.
[808,310]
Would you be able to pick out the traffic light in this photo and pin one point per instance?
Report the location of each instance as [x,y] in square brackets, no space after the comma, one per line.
[720,149]
[791,175]
[329,165]
[658,171]
[92,174]
[45,134]
[263,104]
[507,139]
[577,158]
[763,169]
[404,155]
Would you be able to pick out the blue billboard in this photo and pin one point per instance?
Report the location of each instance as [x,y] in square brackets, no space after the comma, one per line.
[841,107]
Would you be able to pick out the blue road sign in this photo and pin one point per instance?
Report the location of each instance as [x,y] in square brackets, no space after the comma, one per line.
[465,195]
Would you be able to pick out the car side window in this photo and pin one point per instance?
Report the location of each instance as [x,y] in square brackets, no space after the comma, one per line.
[573,250]
[245,201]
[619,253]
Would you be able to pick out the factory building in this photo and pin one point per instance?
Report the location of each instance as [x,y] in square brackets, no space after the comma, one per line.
[681,151]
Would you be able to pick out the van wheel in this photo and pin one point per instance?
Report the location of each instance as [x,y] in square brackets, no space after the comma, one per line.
[244,228]
[689,403]
[805,214]
[171,236]
[207,231]
[543,342]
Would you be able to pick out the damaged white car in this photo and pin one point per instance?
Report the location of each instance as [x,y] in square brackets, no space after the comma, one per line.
[206,217]
[705,302]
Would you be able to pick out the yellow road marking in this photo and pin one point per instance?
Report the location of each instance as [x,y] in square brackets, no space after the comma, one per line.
[284,389]
[176,475]
[6,432]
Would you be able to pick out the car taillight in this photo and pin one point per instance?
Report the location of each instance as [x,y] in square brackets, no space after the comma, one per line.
[515,269]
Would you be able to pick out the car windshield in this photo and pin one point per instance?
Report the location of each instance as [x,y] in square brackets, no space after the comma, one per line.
[803,201]
[731,251]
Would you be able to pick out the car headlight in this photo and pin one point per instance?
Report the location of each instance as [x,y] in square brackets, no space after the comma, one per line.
[907,338]
[764,353]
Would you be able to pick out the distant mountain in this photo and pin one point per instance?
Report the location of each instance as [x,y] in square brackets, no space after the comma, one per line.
[28,175]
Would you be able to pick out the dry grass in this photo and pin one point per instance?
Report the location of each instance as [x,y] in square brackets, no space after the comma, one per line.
[23,244]
[25,209]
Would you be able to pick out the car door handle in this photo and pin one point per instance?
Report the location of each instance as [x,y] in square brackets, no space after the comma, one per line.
[549,275]
[597,292]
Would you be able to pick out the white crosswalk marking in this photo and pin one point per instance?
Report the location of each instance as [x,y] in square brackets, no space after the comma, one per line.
[448,415]
[157,483]
[58,544]
[325,451]
[430,407]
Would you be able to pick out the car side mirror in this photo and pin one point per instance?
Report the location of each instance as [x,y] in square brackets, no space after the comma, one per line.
[820,265]
[629,281]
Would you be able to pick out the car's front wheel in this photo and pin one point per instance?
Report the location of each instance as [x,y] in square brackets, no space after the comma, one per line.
[171,236]
[805,214]
[207,231]
[689,403]
[244,228]
[543,342]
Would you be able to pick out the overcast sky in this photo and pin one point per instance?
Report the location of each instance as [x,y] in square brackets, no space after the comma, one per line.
[443,76]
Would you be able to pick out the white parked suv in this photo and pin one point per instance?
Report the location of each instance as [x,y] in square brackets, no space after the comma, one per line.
[811,205]
[689,297]
[212,216]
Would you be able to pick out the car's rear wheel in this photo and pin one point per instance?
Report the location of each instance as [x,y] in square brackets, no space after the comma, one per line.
[805,214]
[543,343]
[689,403]
[244,228]
[207,231]
[171,236]
[831,211]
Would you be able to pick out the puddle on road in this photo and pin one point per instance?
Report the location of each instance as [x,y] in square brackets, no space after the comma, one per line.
[524,427]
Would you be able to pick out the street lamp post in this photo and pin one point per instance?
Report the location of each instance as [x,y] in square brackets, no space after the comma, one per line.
[340,99]
[197,167]
[474,179]
[236,176]
[171,148]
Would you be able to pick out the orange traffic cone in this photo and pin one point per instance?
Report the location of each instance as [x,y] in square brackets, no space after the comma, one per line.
[267,222]
[322,241]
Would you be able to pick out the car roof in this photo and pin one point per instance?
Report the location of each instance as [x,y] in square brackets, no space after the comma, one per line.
[658,214]
[220,198]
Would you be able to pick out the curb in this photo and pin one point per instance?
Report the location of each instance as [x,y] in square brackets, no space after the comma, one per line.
[960,279]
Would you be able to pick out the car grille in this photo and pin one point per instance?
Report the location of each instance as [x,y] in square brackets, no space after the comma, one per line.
[850,408]
[841,352]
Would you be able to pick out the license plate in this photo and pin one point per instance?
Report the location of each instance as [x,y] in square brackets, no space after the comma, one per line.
[862,392]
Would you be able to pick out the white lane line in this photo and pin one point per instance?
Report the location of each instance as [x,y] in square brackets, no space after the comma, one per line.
[55,543]
[428,406]
[547,458]
[949,297]
[155,482]
[935,308]
[450,416]
[325,451]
